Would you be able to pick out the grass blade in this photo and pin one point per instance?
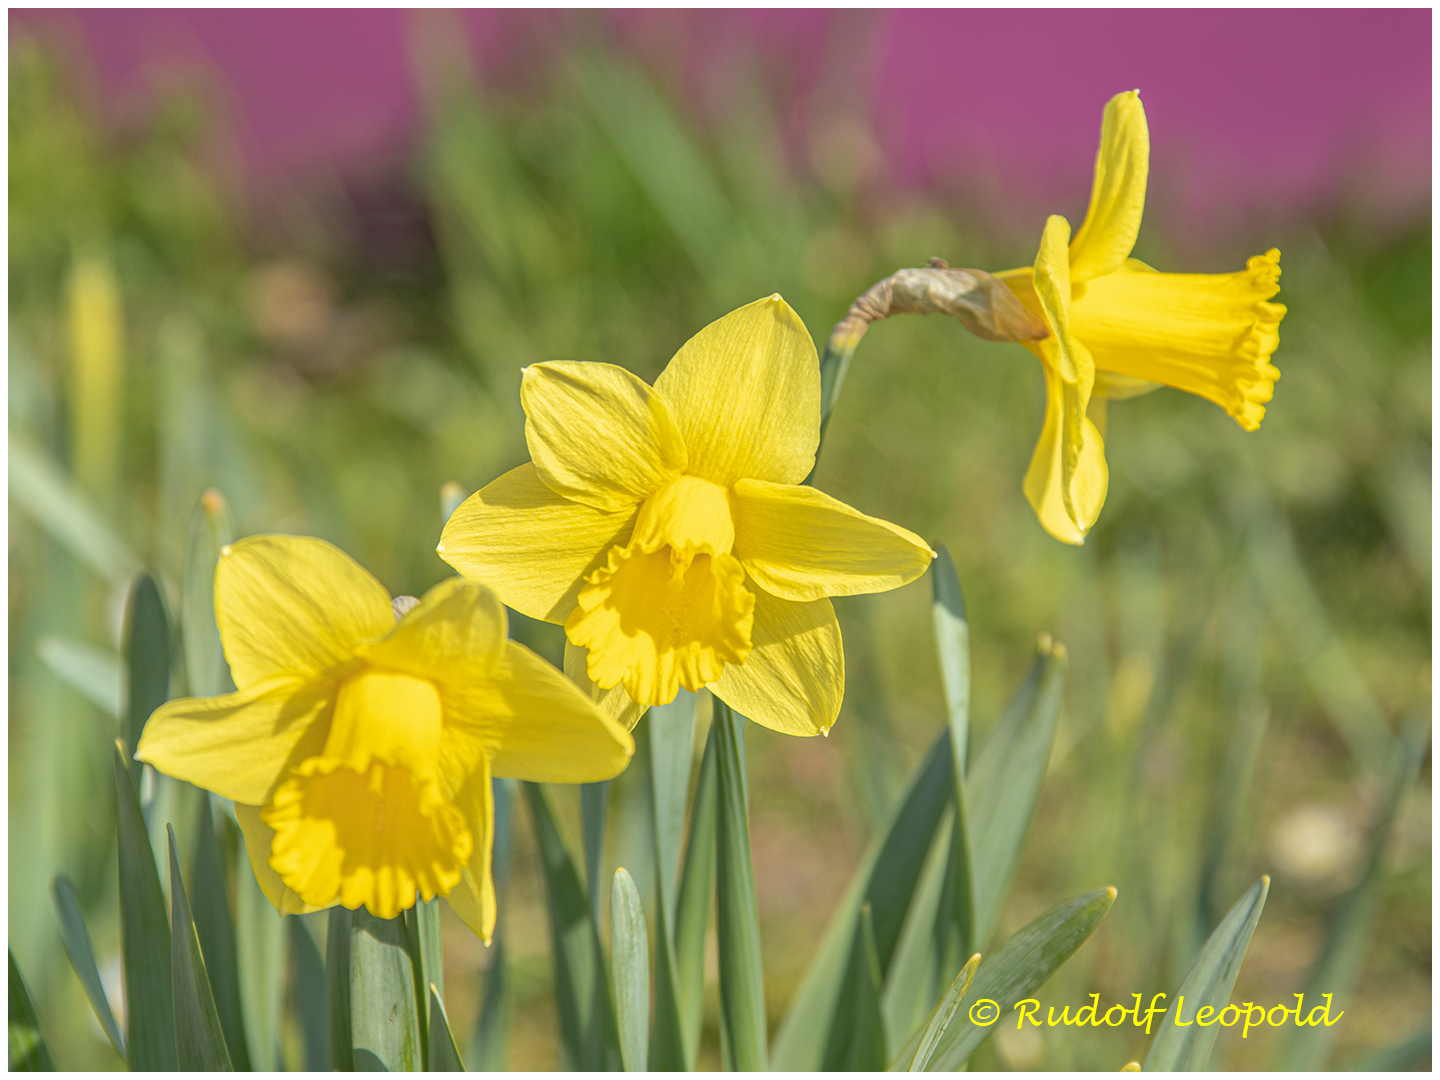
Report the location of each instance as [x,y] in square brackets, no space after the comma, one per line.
[1354,921]
[857,1037]
[206,672]
[1018,968]
[260,964]
[147,662]
[630,958]
[1185,1047]
[42,490]
[692,911]
[308,996]
[28,1052]
[742,978]
[939,1021]
[588,1037]
[93,673]
[216,931]
[384,1026]
[145,936]
[444,1055]
[1004,782]
[886,880]
[82,958]
[199,1040]
[670,729]
[594,809]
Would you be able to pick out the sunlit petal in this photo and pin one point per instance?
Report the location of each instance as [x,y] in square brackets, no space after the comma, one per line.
[1117,199]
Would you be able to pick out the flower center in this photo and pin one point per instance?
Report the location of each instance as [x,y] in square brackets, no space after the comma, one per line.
[365,822]
[670,609]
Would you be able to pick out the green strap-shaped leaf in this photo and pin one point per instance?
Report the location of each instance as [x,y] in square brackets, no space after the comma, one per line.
[260,963]
[857,1038]
[76,939]
[308,995]
[588,1038]
[630,959]
[670,730]
[886,880]
[216,931]
[93,673]
[1354,920]
[692,912]
[28,1052]
[337,990]
[384,1025]
[147,662]
[422,932]
[742,978]
[206,672]
[144,936]
[911,984]
[939,1022]
[1004,782]
[952,645]
[486,1052]
[594,809]
[1181,1045]
[199,1039]
[41,489]
[444,1055]
[1015,971]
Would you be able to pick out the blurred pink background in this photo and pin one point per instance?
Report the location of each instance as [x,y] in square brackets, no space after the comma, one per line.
[1247,108]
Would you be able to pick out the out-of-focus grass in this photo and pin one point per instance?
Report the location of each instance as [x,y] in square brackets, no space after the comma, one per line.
[1250,617]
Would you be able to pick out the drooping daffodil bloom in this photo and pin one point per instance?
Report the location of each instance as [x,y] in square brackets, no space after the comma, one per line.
[1119,328]
[359,749]
[668,529]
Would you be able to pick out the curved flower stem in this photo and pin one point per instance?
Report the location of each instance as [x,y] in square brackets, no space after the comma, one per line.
[981,302]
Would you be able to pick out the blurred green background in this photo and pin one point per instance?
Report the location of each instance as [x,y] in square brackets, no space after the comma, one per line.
[1248,625]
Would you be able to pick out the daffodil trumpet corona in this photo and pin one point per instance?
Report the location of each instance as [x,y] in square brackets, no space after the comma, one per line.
[1118,328]
[668,529]
[360,745]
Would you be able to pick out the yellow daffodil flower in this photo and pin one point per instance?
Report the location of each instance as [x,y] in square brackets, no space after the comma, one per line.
[668,529]
[359,749]
[1118,328]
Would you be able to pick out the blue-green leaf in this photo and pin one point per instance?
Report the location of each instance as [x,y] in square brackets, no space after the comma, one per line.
[206,672]
[308,995]
[444,1055]
[82,958]
[199,1039]
[594,809]
[216,931]
[630,958]
[147,661]
[28,1052]
[588,1037]
[144,935]
[487,1049]
[857,1037]
[1184,1046]
[384,1025]
[1016,970]
[260,956]
[742,978]
[670,729]
[337,990]
[939,1022]
[692,912]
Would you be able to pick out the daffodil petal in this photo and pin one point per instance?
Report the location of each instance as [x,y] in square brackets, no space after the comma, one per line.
[1066,519]
[1209,334]
[794,678]
[800,544]
[240,745]
[614,703]
[598,434]
[533,547]
[474,898]
[1063,354]
[258,837]
[456,633]
[294,606]
[1117,200]
[745,393]
[534,724]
